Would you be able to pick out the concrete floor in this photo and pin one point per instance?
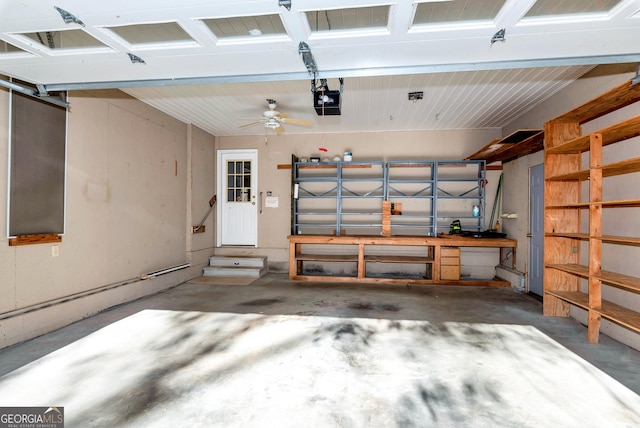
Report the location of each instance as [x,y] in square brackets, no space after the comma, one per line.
[283,353]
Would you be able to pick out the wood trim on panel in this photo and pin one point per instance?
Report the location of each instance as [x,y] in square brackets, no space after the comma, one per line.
[44,238]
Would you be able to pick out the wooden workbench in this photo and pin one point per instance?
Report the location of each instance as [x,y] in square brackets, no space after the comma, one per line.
[427,253]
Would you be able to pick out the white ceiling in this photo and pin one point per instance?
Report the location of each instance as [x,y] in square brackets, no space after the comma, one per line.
[202,65]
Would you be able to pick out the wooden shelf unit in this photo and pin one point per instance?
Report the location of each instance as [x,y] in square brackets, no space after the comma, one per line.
[429,252]
[564,206]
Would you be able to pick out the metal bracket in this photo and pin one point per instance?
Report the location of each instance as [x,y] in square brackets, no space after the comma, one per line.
[307,57]
[135,59]
[68,18]
[499,36]
[285,3]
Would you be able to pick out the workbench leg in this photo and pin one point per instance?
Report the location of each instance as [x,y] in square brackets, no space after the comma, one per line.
[293,266]
[362,268]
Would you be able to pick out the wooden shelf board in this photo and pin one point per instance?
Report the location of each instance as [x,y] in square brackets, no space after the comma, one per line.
[619,132]
[623,167]
[623,281]
[532,144]
[580,205]
[613,278]
[578,145]
[444,240]
[571,268]
[398,259]
[574,297]
[519,143]
[581,175]
[629,203]
[496,282]
[618,97]
[328,257]
[582,236]
[620,315]
[619,239]
[616,313]
[628,166]
[605,238]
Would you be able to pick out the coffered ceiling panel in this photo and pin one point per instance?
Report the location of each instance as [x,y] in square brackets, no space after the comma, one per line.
[479,63]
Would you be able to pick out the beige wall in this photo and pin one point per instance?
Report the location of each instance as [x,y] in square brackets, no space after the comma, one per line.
[621,259]
[126,214]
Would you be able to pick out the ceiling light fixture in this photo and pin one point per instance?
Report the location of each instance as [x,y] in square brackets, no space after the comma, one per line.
[499,36]
[67,17]
[307,57]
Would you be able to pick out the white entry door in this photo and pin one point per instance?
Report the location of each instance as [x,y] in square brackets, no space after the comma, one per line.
[237,198]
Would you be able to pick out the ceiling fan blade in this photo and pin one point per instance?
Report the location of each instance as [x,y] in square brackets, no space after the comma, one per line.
[282,115]
[246,125]
[297,121]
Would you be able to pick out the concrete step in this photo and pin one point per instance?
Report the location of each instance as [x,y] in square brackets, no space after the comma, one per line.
[251,272]
[253,267]
[237,261]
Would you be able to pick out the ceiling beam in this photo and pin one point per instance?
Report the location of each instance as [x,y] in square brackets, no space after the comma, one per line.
[35,94]
[361,72]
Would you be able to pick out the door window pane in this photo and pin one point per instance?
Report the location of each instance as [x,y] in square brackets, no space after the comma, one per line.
[239,181]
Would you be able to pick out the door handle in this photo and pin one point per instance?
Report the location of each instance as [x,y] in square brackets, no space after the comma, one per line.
[529,235]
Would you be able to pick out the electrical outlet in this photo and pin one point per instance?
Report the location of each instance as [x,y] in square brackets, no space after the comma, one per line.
[55,251]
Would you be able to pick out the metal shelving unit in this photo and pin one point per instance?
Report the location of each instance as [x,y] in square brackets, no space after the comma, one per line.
[362,186]
[334,198]
[411,184]
[460,186]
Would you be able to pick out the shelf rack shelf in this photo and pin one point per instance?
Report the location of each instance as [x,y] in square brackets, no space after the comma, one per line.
[388,198]
[565,203]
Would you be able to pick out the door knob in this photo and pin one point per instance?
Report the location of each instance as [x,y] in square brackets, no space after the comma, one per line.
[253,203]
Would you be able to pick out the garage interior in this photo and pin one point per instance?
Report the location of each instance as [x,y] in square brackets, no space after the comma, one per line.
[322,140]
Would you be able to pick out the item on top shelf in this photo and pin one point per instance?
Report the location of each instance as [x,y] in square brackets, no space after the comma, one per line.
[455,227]
[315,159]
[348,157]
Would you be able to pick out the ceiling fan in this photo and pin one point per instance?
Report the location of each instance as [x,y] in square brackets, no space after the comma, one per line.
[273,119]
